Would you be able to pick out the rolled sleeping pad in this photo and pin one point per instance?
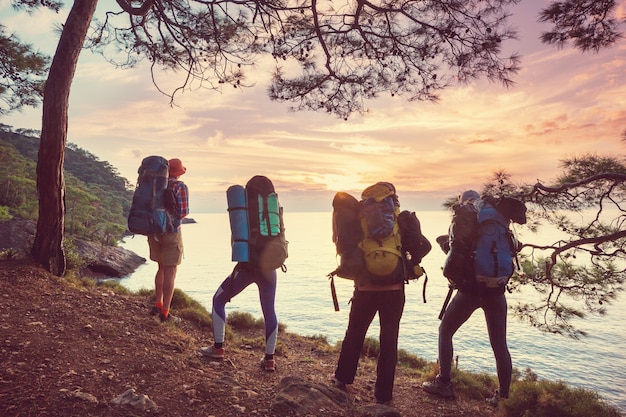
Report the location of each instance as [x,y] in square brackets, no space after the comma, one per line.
[269,223]
[238,216]
[273,209]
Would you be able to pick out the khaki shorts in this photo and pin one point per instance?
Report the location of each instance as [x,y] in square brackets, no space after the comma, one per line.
[166,249]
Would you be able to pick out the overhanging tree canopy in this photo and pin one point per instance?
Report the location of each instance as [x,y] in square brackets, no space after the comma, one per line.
[22,71]
[582,270]
[329,56]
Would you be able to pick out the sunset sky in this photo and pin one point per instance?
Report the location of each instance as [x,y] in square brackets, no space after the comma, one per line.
[564,103]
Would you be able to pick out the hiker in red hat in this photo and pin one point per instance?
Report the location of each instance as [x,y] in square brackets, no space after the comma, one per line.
[167,249]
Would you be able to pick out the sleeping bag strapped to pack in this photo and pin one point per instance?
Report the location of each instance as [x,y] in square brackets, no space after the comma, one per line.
[259,237]
[496,247]
[148,214]
[414,244]
[347,234]
[459,264]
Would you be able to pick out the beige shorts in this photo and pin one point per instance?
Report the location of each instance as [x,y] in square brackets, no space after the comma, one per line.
[166,249]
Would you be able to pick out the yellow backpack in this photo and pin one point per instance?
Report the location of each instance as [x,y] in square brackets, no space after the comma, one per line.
[382,243]
[369,243]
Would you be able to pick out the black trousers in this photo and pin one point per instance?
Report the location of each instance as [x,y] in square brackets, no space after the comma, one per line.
[365,304]
[458,312]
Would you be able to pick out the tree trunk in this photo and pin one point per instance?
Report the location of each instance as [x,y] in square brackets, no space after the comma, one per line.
[48,244]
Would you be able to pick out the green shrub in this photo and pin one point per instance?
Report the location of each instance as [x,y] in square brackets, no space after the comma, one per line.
[145,292]
[243,320]
[200,318]
[411,361]
[258,343]
[182,301]
[189,309]
[554,399]
[371,348]
[477,386]
[73,278]
[9,253]
[114,285]
[319,338]
[252,343]
[4,213]
[320,343]
[74,261]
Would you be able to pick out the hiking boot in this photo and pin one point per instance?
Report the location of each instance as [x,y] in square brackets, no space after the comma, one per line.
[337,383]
[438,387]
[495,399]
[155,311]
[213,352]
[268,364]
[170,318]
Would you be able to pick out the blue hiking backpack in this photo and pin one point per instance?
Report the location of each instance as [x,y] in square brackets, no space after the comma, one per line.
[148,214]
[495,248]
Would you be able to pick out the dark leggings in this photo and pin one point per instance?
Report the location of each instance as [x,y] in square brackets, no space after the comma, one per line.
[365,304]
[458,312]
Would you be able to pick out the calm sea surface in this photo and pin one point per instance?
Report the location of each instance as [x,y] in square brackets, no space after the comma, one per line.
[304,304]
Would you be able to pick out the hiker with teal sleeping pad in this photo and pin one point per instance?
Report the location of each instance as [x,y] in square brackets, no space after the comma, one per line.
[380,249]
[259,248]
[481,251]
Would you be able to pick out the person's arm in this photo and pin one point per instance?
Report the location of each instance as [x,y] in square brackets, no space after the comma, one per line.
[182,195]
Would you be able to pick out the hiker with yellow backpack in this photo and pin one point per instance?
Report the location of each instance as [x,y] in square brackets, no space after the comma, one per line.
[380,249]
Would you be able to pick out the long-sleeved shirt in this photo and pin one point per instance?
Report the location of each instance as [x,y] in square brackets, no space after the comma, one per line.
[182,201]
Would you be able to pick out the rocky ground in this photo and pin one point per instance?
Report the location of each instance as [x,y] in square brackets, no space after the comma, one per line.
[71,351]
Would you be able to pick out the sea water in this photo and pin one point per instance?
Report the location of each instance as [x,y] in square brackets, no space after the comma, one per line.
[304,304]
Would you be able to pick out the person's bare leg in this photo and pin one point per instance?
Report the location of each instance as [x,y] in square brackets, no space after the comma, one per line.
[169,276]
[158,286]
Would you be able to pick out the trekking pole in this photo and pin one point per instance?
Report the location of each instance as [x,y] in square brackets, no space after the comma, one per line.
[424,286]
[445,303]
[333,292]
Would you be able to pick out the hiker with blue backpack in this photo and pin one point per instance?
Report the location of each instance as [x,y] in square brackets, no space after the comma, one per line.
[481,250]
[259,247]
[381,249]
[160,202]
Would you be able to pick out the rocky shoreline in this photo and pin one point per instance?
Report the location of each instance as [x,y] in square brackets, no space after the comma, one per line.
[102,261]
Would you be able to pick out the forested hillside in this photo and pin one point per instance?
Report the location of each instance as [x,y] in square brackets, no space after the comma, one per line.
[97,197]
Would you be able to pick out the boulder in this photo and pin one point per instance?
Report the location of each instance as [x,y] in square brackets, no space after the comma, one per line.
[110,261]
[17,235]
[298,397]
